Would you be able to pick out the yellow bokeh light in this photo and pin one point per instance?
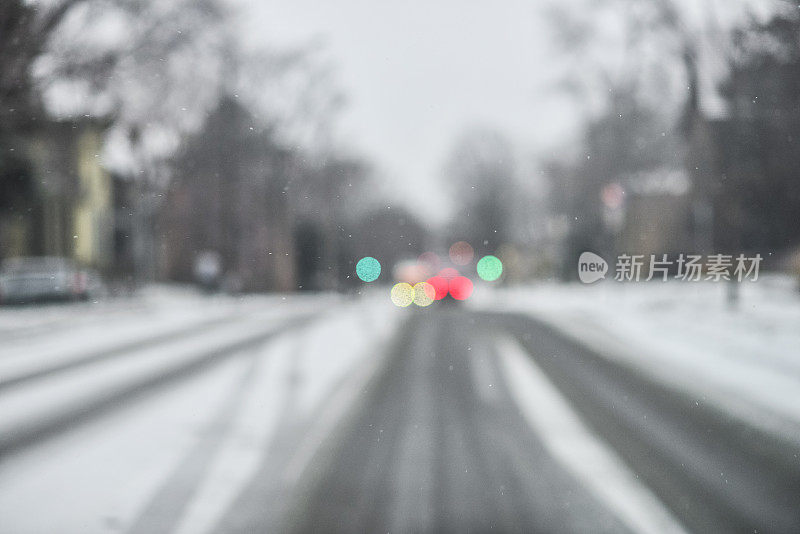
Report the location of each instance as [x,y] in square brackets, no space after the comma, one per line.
[402,294]
[424,294]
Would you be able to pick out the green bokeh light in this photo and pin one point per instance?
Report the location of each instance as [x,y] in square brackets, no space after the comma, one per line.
[490,268]
[368,269]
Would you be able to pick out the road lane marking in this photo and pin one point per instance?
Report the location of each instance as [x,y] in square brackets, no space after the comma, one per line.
[572,444]
[245,446]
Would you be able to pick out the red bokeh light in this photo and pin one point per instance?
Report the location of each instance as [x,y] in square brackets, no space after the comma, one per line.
[460,288]
[440,285]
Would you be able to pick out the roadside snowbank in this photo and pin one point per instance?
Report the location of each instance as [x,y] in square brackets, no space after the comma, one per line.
[745,359]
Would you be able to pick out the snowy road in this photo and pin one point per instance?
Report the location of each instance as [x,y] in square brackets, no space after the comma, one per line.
[455,438]
[325,415]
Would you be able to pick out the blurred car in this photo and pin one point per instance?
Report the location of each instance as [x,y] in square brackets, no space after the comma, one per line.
[43,279]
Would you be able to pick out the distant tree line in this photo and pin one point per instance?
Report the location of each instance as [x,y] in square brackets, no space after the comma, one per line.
[209,145]
[741,163]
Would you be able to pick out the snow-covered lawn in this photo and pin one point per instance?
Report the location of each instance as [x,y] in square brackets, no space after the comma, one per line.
[745,359]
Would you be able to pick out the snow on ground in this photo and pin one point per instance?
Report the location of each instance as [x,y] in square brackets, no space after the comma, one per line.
[315,365]
[21,321]
[100,476]
[745,359]
[349,337]
[155,303]
[36,338]
[53,396]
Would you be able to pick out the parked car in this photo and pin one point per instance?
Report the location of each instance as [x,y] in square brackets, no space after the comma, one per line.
[42,279]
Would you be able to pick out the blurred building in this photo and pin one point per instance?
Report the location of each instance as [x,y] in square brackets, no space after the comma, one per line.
[228,198]
[63,199]
[655,216]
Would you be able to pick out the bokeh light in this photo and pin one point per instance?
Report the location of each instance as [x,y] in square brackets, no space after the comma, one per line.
[439,285]
[613,196]
[448,273]
[411,272]
[490,268]
[402,294]
[461,253]
[368,269]
[430,260]
[424,294]
[460,288]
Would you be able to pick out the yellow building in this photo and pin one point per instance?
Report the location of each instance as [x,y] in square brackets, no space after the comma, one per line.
[92,213]
[69,210]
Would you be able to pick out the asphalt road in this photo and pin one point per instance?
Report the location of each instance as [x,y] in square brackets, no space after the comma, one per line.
[434,450]
[430,453]
[442,434]
[716,473]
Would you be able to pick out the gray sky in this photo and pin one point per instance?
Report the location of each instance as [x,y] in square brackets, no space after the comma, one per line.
[418,73]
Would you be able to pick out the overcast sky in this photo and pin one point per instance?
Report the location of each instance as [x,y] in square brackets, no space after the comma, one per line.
[418,73]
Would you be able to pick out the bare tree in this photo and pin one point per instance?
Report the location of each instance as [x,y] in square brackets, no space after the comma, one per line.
[480,174]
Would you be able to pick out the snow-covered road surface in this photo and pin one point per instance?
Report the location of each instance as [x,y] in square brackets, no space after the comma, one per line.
[743,359]
[163,433]
[326,414]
